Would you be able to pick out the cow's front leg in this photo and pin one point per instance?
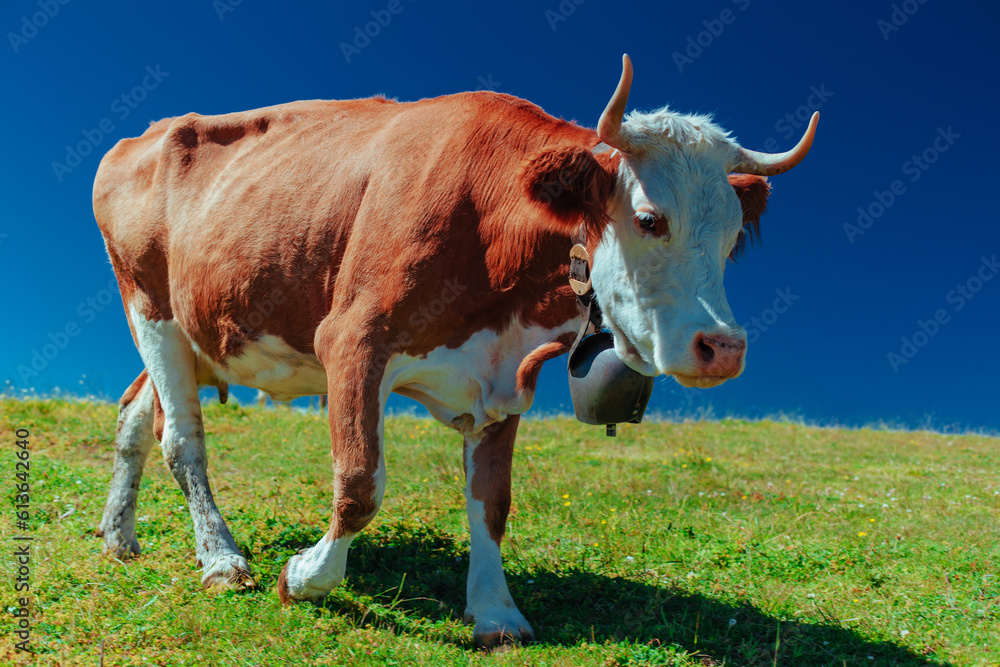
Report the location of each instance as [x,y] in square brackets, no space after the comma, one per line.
[356,427]
[488,457]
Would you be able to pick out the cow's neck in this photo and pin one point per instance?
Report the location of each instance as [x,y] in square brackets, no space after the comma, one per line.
[558,307]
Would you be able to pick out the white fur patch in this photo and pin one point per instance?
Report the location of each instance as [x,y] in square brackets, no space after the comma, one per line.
[488,599]
[169,358]
[478,379]
[316,571]
[273,366]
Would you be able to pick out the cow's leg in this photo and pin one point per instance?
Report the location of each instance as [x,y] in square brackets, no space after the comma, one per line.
[170,360]
[355,377]
[488,457]
[133,440]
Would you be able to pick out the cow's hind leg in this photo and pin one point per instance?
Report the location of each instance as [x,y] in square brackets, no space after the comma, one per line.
[133,440]
[488,458]
[170,360]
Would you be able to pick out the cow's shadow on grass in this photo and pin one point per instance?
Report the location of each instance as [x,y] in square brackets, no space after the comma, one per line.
[573,606]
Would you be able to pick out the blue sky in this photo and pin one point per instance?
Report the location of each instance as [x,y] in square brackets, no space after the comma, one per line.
[907,93]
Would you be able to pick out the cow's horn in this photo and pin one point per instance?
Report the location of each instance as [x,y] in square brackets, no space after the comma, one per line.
[609,128]
[771,164]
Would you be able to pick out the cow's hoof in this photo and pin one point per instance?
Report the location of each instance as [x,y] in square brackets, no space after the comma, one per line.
[118,545]
[497,627]
[302,593]
[229,571]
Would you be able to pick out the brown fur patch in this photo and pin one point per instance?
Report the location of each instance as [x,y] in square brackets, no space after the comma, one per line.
[282,587]
[570,182]
[355,505]
[492,461]
[531,366]
[133,390]
[753,192]
[350,354]
[159,418]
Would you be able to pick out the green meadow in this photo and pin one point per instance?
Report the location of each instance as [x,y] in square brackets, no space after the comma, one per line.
[691,544]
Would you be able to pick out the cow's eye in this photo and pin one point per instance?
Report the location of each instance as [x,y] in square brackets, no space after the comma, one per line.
[652,224]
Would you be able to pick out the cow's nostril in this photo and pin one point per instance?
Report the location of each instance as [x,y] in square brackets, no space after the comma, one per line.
[705,351]
[719,354]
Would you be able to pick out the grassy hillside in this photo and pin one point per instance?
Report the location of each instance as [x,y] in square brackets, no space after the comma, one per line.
[726,543]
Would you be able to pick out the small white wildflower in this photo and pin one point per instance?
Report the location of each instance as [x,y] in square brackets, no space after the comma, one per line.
[732,622]
[903,633]
[629,558]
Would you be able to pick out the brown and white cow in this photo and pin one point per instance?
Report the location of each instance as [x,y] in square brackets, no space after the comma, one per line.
[364,247]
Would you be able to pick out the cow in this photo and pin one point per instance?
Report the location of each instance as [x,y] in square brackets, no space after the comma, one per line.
[358,248]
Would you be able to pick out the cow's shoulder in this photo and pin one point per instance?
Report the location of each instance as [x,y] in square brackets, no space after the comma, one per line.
[517,119]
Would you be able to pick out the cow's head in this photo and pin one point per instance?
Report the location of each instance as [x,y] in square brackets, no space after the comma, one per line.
[685,198]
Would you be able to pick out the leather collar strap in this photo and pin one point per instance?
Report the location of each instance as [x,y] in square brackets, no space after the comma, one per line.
[579,280]
[579,277]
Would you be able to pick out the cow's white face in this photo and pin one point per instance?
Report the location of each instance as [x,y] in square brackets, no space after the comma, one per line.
[658,268]
[675,218]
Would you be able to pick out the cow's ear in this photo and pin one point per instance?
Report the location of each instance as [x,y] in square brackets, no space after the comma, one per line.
[570,183]
[753,192]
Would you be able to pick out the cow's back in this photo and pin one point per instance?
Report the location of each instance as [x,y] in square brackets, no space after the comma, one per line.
[239,225]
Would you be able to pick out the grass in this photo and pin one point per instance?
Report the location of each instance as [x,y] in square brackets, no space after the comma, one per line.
[719,543]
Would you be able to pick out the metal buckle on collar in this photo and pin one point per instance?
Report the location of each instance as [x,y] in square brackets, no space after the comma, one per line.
[579,265]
